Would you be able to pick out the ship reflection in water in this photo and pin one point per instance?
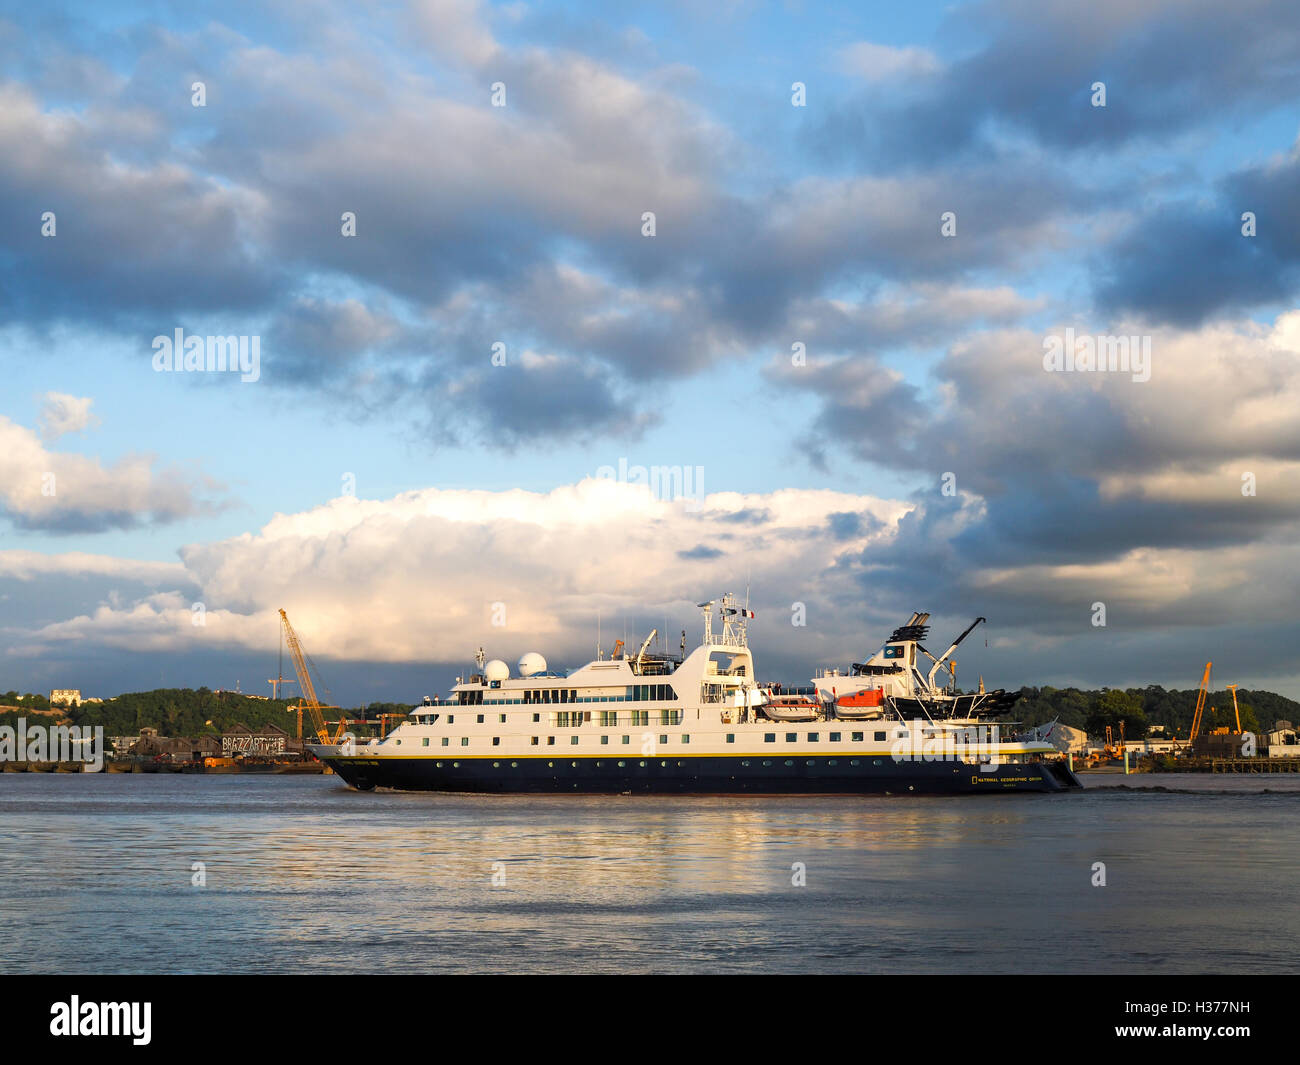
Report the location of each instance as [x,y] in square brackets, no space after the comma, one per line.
[303,874]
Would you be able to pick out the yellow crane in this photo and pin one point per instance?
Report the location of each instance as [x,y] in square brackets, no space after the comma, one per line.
[1200,704]
[1235,711]
[308,689]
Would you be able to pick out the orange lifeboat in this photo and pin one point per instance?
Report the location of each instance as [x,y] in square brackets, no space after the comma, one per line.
[864,703]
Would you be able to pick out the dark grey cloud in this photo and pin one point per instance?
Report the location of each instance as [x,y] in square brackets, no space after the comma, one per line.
[1168,67]
[1187,262]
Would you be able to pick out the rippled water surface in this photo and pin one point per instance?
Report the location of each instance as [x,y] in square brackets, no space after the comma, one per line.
[304,875]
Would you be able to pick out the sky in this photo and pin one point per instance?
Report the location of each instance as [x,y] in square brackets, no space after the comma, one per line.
[807,263]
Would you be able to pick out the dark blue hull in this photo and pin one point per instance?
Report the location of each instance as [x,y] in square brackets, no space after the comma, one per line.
[721,775]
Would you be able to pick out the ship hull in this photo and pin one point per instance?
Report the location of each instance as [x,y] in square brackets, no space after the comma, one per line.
[722,775]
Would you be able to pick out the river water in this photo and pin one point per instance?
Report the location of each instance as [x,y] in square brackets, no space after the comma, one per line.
[302,874]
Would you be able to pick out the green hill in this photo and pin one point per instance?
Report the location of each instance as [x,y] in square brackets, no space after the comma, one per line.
[1152,705]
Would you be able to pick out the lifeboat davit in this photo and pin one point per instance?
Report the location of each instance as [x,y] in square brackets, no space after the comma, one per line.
[866,703]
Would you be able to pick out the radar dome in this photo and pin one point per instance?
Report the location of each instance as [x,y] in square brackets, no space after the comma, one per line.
[531,664]
[496,670]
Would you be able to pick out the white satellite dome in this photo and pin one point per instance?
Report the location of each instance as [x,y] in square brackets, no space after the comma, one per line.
[496,670]
[531,664]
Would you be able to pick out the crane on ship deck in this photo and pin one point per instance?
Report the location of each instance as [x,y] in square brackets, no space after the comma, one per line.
[308,697]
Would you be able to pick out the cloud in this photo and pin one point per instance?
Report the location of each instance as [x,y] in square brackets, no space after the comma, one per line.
[880,62]
[62,414]
[413,583]
[415,578]
[65,493]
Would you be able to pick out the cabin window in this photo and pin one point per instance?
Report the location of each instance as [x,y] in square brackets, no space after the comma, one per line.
[502,718]
[790,737]
[685,738]
[446,740]
[626,739]
[496,741]
[537,717]
[663,739]
[812,737]
[604,739]
[535,741]
[451,719]
[880,736]
[835,737]
[573,739]
[731,737]
[550,741]
[769,737]
[480,719]
[426,742]
[464,741]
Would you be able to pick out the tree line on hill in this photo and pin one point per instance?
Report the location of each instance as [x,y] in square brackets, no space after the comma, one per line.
[1141,708]
[182,712]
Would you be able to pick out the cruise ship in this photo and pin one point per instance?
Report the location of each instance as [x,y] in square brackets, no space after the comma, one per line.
[650,721]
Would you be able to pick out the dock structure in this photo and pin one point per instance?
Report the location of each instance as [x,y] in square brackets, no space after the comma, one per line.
[1232,765]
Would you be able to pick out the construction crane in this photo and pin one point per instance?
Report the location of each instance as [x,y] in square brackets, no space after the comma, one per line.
[1200,705]
[1235,711]
[307,688]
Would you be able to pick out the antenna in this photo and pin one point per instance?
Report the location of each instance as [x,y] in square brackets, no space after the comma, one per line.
[598,634]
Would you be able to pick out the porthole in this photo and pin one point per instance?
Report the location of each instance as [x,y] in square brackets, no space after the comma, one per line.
[641,764]
[811,762]
[877,761]
[833,761]
[789,761]
[455,765]
[621,764]
[574,764]
[496,765]
[514,765]
[664,765]
[550,765]
[855,762]
[767,763]
[744,763]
